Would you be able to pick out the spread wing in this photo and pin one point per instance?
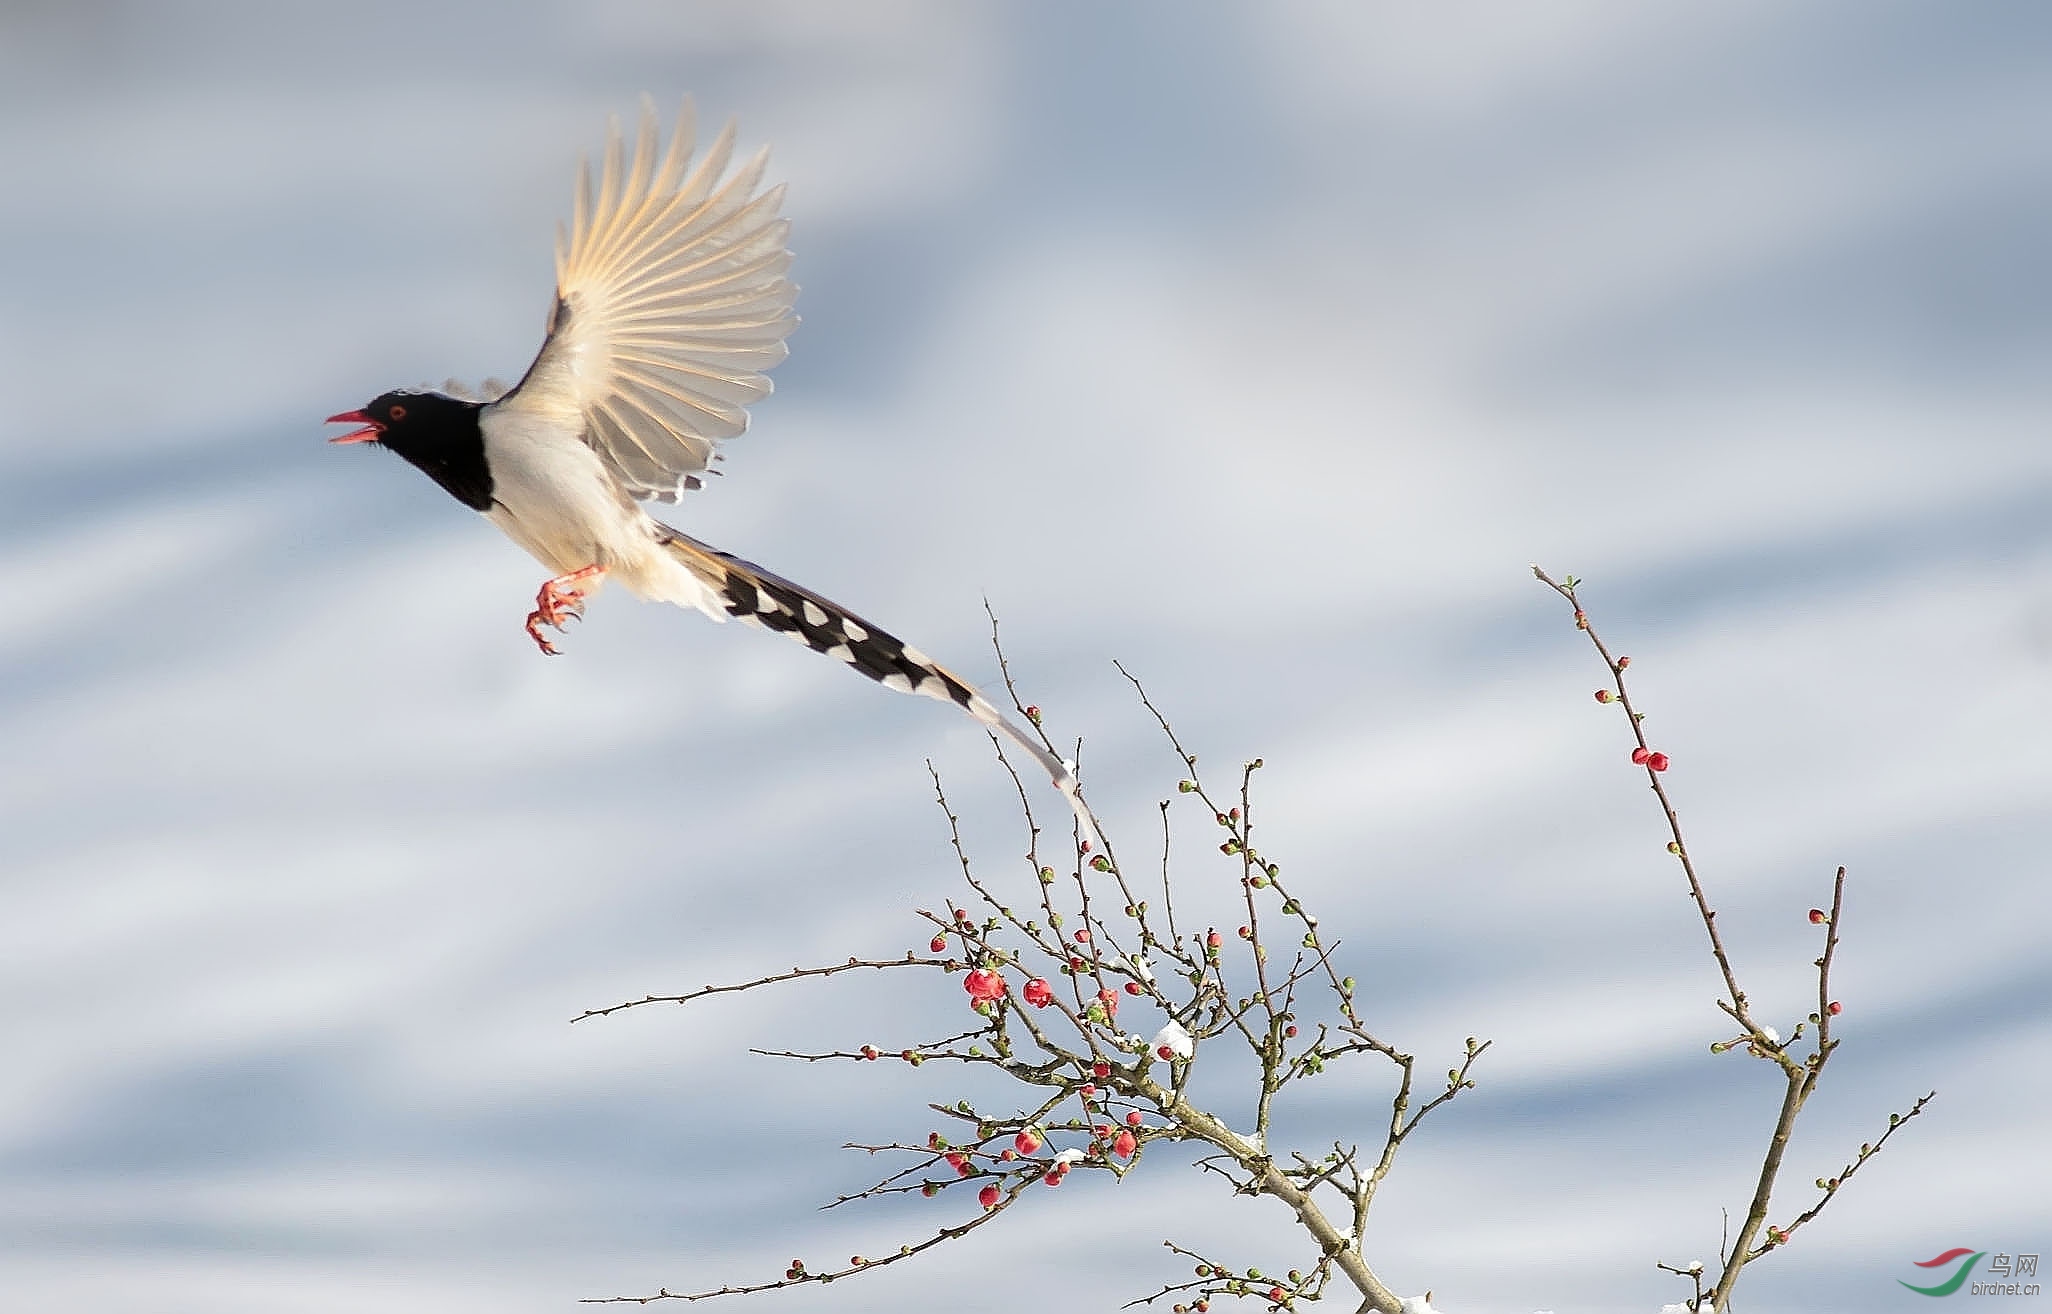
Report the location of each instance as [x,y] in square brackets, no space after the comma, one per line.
[671,302]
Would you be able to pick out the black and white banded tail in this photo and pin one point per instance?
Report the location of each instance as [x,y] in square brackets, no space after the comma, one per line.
[750,593]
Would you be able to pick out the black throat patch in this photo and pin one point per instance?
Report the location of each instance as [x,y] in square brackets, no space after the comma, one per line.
[440,437]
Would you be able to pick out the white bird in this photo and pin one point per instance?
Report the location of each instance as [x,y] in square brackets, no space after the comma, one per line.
[671,302]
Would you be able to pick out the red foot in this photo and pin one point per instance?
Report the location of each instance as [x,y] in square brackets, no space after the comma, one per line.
[559,602]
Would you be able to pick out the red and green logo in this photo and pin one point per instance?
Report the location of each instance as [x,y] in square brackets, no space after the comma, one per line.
[1953,1283]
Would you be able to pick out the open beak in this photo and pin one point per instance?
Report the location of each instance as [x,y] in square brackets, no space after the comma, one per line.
[368,434]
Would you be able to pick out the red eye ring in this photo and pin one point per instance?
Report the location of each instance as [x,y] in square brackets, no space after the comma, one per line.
[397,413]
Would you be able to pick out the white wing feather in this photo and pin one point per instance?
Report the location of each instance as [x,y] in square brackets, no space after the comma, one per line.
[671,302]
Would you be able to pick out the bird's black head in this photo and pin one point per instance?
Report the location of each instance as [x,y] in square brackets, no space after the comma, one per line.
[436,433]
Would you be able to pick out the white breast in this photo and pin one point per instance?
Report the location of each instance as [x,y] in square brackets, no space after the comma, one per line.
[553,496]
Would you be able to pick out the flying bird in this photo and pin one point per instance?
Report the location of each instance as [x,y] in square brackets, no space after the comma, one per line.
[671,303]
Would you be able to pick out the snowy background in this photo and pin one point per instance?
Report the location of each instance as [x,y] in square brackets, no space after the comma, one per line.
[1258,347]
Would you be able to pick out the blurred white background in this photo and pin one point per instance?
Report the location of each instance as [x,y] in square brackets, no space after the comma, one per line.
[1259,347]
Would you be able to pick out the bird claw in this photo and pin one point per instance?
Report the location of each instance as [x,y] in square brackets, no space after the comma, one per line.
[557,604]
[535,620]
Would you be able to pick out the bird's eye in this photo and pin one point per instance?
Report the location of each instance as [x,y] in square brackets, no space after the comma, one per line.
[397,413]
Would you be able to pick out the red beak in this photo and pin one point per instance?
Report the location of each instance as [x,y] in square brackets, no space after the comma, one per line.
[368,434]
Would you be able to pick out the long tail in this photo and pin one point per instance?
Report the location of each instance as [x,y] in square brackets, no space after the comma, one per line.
[752,594]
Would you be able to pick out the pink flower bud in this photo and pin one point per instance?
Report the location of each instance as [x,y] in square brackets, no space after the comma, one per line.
[1125,1145]
[1836,1008]
[988,1197]
[1039,993]
[938,944]
[1640,754]
[1027,1142]
[1133,1119]
[1658,761]
[984,984]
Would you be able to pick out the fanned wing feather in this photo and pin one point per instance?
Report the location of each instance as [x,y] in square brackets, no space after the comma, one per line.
[671,303]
